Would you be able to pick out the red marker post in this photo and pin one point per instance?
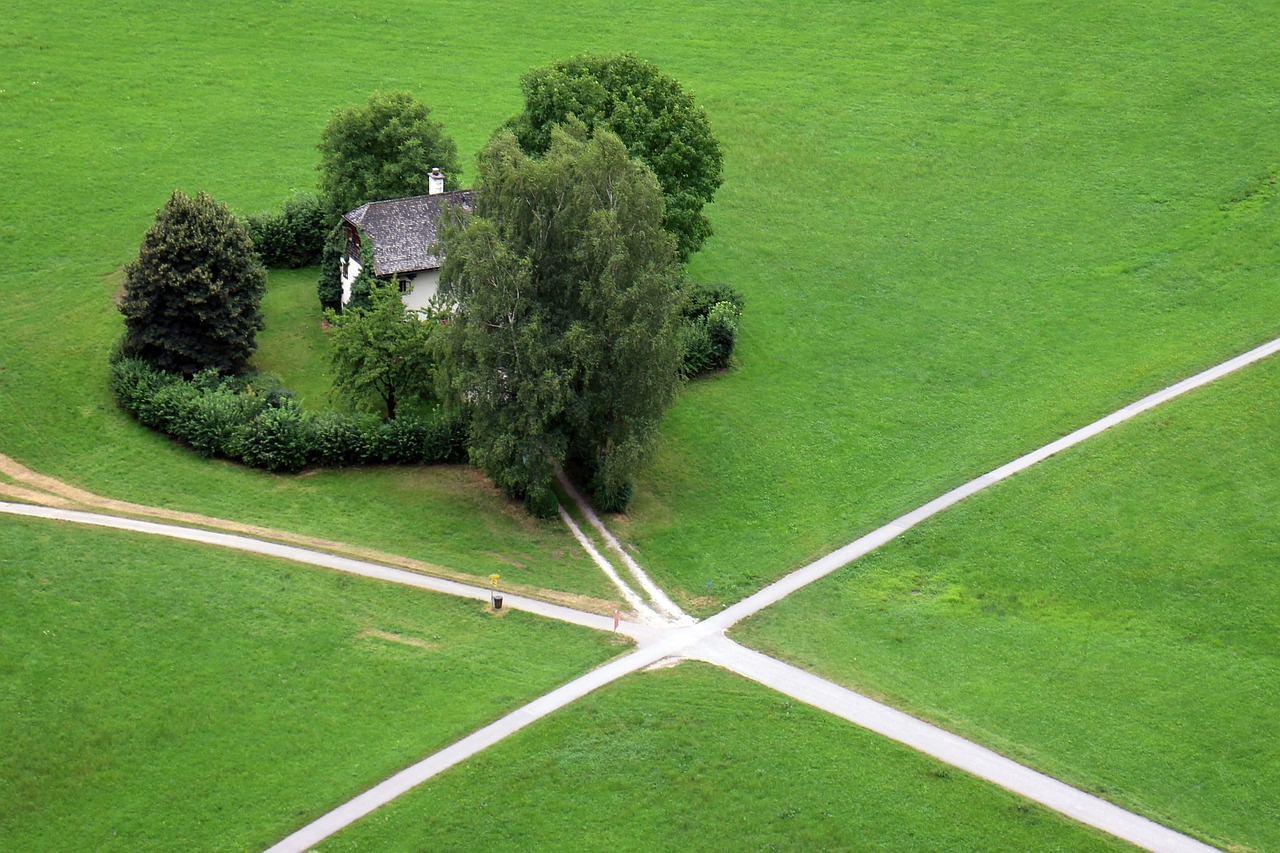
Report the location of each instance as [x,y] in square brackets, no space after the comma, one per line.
[615,619]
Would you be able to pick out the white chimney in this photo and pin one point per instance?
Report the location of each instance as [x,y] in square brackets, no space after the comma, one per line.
[437,181]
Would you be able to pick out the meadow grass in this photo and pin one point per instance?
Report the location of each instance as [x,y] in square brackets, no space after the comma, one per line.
[1108,616]
[697,758]
[962,229]
[157,695]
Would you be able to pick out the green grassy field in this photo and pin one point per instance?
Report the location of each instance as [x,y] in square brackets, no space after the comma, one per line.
[156,695]
[1108,616]
[694,757]
[961,229]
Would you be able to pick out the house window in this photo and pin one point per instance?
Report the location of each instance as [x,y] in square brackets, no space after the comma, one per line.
[406,285]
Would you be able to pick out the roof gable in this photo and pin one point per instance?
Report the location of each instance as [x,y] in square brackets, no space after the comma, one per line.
[403,230]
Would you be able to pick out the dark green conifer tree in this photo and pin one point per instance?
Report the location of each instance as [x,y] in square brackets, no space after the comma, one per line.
[191,298]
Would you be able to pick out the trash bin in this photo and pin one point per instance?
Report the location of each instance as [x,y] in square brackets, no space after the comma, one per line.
[497,601]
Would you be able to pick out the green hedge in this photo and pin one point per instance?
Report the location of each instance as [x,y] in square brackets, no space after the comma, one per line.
[292,238]
[251,419]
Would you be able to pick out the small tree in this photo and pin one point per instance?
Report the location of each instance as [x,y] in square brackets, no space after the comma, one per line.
[382,351]
[191,298]
[383,149]
[563,344]
[653,116]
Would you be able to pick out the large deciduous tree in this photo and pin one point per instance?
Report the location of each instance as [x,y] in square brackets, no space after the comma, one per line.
[649,111]
[382,350]
[191,298]
[383,149]
[563,337]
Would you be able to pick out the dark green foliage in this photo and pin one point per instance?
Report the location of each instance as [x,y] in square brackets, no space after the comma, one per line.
[708,341]
[214,418]
[383,149]
[711,313]
[649,111]
[564,344]
[700,298]
[252,419]
[277,439]
[722,329]
[611,487]
[338,439]
[293,237]
[191,298]
[329,287]
[382,350]
[134,383]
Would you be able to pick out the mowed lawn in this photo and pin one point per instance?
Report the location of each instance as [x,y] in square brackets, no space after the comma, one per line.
[157,695]
[697,758]
[962,230]
[1109,616]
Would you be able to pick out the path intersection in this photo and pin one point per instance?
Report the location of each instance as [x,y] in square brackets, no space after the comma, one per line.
[663,632]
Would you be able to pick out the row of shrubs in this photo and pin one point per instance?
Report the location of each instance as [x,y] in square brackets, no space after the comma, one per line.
[293,237]
[251,419]
[711,314]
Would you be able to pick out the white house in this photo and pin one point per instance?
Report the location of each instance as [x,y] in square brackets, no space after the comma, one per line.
[404,232]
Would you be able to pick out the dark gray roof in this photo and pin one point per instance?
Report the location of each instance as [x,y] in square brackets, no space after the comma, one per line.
[404,230]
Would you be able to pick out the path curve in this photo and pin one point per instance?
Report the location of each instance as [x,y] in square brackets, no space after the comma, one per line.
[334,562]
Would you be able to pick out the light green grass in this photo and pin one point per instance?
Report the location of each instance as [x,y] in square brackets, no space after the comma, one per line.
[157,695]
[696,758]
[1108,616]
[962,229]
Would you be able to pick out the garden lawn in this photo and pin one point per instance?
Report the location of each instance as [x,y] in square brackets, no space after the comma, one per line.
[695,756]
[961,230]
[157,695]
[293,346]
[1109,616]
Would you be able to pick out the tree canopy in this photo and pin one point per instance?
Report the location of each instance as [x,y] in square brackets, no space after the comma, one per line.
[385,148]
[382,351]
[191,298]
[563,339]
[649,111]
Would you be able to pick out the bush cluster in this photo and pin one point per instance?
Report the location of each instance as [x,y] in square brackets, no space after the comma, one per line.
[711,315]
[250,418]
[295,236]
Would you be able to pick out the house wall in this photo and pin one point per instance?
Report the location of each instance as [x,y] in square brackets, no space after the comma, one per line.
[421,289]
[352,270]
